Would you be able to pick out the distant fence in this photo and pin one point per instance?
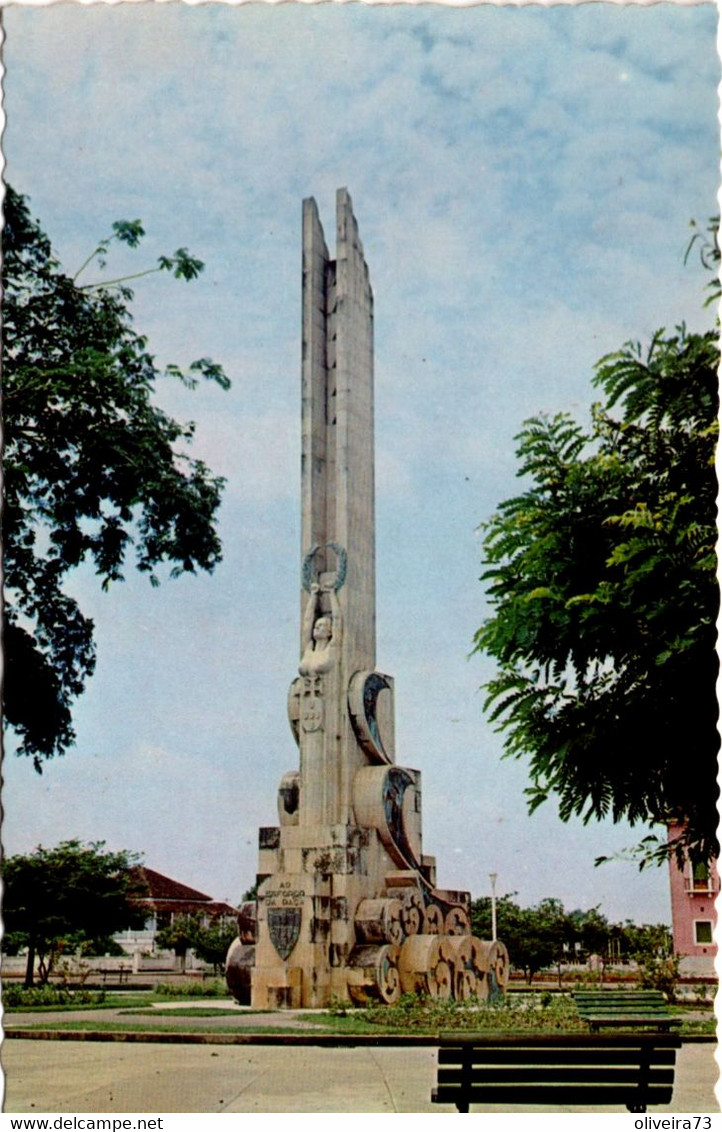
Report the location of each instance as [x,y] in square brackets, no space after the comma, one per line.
[117,969]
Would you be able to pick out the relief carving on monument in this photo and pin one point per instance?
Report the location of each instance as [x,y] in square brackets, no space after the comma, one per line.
[284,907]
[322,635]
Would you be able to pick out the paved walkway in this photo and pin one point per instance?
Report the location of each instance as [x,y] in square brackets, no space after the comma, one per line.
[96,1077]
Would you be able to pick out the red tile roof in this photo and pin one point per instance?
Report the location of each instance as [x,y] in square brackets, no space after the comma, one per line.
[170,895]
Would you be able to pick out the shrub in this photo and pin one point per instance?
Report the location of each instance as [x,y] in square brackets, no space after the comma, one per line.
[522,1012]
[339,1007]
[30,997]
[659,972]
[208,988]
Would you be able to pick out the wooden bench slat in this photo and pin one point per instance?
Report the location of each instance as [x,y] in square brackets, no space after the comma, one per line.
[479,1039]
[620,1008]
[619,1055]
[629,1020]
[554,1095]
[665,1023]
[619,1013]
[648,994]
[606,1000]
[616,1075]
[612,1002]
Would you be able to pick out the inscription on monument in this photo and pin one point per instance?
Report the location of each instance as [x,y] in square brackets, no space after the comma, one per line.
[284,912]
[285,896]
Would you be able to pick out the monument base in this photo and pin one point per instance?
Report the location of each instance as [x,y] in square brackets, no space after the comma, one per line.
[338,920]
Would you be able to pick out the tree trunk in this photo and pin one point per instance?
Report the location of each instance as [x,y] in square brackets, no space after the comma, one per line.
[30,967]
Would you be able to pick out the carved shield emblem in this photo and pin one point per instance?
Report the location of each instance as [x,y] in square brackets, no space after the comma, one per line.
[284,925]
[312,712]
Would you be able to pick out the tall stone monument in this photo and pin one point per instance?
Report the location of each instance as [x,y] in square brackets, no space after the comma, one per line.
[347,905]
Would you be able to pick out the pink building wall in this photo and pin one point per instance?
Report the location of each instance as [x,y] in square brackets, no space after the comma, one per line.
[694,915]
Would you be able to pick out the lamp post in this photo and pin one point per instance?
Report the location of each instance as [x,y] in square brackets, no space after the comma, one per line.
[492,878]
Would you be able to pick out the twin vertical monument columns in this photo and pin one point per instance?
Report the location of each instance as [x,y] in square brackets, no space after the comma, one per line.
[347,904]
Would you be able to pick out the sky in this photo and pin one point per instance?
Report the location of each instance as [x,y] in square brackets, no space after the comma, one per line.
[524,179]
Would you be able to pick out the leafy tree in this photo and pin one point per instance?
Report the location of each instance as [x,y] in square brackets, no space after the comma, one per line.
[534,937]
[92,466]
[643,940]
[546,935]
[178,936]
[59,899]
[211,944]
[508,918]
[590,934]
[591,931]
[651,947]
[602,582]
[187,933]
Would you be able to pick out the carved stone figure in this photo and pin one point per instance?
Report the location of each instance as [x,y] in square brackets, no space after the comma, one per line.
[322,636]
[322,633]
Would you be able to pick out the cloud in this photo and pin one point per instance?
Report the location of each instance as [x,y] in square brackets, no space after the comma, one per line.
[523,180]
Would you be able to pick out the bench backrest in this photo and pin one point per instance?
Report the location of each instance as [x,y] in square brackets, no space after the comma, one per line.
[649,1003]
[634,1070]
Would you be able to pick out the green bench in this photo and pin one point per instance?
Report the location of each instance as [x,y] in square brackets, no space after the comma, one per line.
[635,1070]
[624,1009]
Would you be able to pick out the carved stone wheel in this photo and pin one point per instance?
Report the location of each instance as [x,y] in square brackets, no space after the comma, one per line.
[387,978]
[439,981]
[499,963]
[457,922]
[458,953]
[422,969]
[481,954]
[379,921]
[239,965]
[412,912]
[492,958]
[373,974]
[481,962]
[465,986]
[483,988]
[433,922]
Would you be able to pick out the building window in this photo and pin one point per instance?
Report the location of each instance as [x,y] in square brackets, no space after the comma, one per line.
[702,931]
[700,877]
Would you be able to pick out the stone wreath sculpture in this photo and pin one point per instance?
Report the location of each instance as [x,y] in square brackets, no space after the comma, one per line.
[307,573]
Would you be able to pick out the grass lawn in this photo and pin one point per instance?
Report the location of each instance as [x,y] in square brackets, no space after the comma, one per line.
[143,1012]
[110,1002]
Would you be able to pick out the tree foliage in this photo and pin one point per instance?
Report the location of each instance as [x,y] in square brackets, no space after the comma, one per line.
[547,935]
[209,942]
[94,470]
[644,941]
[602,581]
[72,897]
[177,936]
[534,937]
